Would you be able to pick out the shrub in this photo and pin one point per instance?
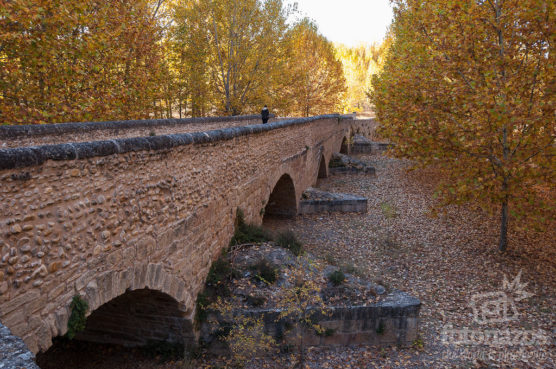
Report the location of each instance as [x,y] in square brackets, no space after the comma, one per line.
[256,300]
[288,241]
[202,304]
[266,272]
[328,332]
[248,233]
[219,271]
[78,319]
[337,277]
[336,162]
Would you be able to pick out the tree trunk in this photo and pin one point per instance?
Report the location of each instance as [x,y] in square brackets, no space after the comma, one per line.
[503,243]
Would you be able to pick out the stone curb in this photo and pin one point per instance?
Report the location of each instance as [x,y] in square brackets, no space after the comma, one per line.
[36,155]
[16,131]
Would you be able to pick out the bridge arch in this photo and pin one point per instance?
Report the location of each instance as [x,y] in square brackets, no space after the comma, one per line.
[323,168]
[137,318]
[145,287]
[282,202]
[344,148]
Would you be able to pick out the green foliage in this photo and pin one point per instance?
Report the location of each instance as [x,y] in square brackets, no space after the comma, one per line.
[248,233]
[288,241]
[201,311]
[216,285]
[78,319]
[266,272]
[337,277]
[220,271]
[328,332]
[418,344]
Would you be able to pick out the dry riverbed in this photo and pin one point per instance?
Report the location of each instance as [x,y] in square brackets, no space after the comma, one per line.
[443,261]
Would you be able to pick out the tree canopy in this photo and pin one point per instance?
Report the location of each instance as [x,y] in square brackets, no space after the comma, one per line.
[469,86]
[89,60]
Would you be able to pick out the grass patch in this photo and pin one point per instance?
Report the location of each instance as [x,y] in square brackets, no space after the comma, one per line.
[248,233]
[389,210]
[288,241]
[337,278]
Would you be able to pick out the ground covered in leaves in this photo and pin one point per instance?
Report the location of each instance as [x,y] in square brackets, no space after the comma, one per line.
[448,262]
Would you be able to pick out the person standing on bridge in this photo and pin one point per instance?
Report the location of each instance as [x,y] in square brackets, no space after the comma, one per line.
[265,114]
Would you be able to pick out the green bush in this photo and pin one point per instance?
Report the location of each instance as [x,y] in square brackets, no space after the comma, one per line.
[248,233]
[202,303]
[288,241]
[256,300]
[77,319]
[219,271]
[337,277]
[266,272]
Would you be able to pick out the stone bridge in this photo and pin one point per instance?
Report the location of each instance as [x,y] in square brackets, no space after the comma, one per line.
[132,224]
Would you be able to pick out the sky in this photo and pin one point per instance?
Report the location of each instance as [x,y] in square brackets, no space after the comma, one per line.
[350,22]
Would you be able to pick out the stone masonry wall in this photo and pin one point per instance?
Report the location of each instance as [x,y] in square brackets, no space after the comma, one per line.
[99,219]
[365,127]
[50,134]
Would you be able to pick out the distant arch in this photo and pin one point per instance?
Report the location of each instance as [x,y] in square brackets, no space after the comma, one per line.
[282,202]
[344,149]
[323,168]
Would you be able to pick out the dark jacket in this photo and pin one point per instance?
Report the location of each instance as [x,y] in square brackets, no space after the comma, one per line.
[265,114]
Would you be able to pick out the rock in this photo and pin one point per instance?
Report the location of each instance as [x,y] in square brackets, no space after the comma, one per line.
[54,267]
[13,351]
[16,229]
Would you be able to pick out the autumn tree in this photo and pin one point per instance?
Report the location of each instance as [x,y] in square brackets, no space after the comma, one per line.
[77,60]
[234,47]
[359,64]
[317,82]
[469,86]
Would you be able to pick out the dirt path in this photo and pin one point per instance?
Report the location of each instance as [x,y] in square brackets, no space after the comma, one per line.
[444,261]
